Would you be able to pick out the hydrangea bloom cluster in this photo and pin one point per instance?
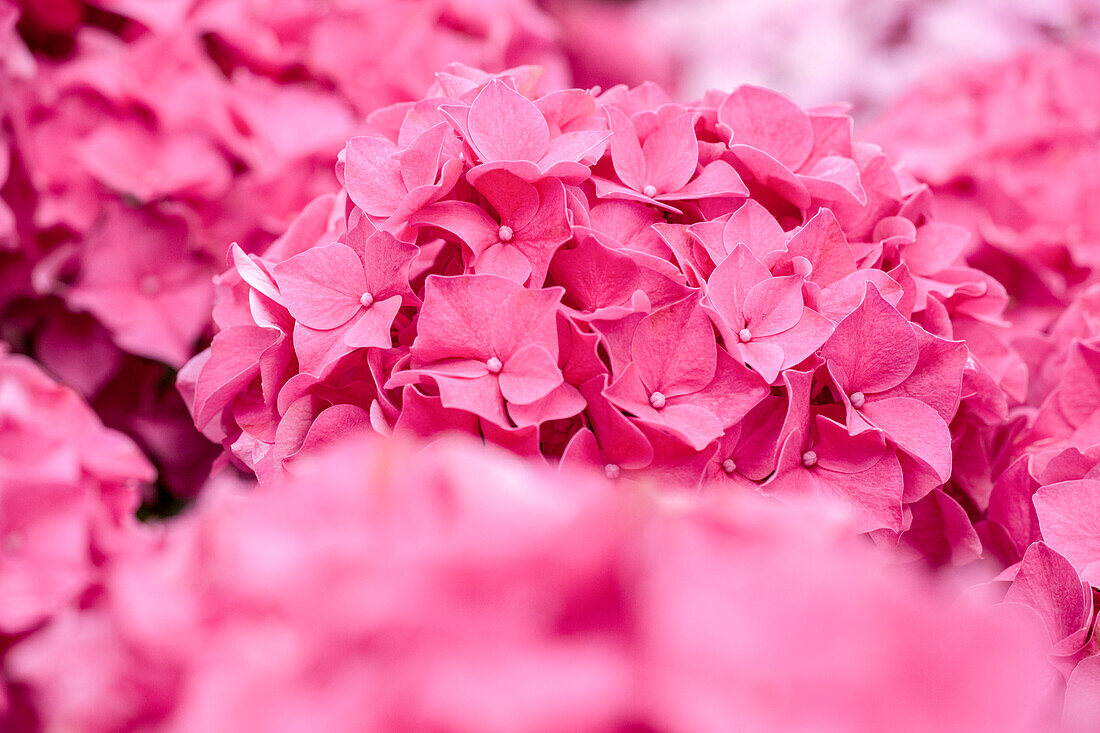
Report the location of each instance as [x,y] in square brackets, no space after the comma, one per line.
[1017,169]
[1010,148]
[152,135]
[68,491]
[860,52]
[450,590]
[729,292]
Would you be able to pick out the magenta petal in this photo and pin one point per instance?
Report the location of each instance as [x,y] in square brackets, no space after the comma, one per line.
[562,402]
[371,327]
[718,179]
[626,152]
[916,428]
[468,222]
[671,153]
[504,125]
[770,122]
[674,349]
[843,453]
[529,374]
[479,395]
[1047,582]
[504,261]
[334,424]
[773,306]
[514,199]
[1069,517]
[873,349]
[373,176]
[753,226]
[1082,708]
[234,361]
[321,287]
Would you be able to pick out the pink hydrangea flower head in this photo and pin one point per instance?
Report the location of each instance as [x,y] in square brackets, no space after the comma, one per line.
[690,294]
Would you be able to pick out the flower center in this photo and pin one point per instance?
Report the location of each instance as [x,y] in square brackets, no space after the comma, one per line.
[366,300]
[857,399]
[505,233]
[494,365]
[650,191]
[745,335]
[729,466]
[809,458]
[149,284]
[612,471]
[657,400]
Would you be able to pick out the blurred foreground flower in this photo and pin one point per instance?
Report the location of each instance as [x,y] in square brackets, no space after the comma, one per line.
[454,589]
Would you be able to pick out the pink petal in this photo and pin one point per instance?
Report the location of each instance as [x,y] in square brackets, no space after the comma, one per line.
[1047,582]
[873,349]
[479,395]
[769,122]
[371,327]
[564,401]
[626,153]
[529,374]
[674,349]
[372,175]
[916,428]
[457,316]
[514,199]
[1069,517]
[620,439]
[671,153]
[755,227]
[835,179]
[506,261]
[773,306]
[730,283]
[468,222]
[1082,707]
[941,531]
[419,162]
[321,287]
[526,317]
[718,179]
[234,362]
[504,125]
[843,453]
[822,242]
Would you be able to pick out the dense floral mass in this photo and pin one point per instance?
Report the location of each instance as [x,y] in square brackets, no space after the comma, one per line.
[438,365]
[1017,173]
[153,135]
[731,292]
[525,603]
